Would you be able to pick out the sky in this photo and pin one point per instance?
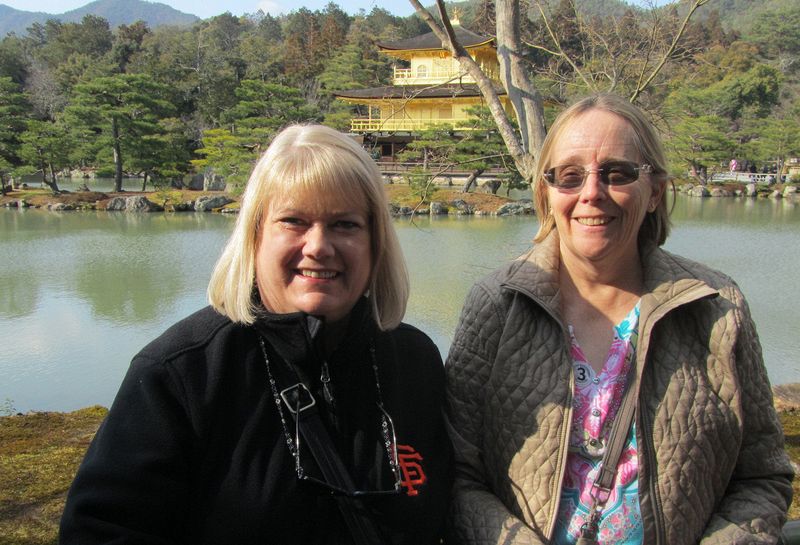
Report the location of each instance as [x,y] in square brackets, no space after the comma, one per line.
[208,8]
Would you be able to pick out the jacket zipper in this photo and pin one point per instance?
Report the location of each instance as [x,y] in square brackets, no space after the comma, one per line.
[655,316]
[325,379]
[653,484]
[565,429]
[564,442]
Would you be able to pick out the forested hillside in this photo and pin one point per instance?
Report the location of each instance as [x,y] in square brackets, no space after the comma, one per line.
[116,12]
[165,101]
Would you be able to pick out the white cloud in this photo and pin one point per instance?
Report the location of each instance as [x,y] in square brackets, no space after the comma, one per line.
[271,7]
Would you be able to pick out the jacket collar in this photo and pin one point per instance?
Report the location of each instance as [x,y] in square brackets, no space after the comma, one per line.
[669,280]
[535,274]
[297,337]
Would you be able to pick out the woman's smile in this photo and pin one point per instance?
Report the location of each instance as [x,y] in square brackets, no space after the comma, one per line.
[320,275]
[594,221]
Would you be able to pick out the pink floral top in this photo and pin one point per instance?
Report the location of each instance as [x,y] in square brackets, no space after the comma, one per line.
[596,401]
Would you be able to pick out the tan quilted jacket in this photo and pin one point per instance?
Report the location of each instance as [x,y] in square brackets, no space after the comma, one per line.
[712,467]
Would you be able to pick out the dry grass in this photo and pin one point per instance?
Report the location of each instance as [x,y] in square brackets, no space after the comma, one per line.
[791,430]
[40,452]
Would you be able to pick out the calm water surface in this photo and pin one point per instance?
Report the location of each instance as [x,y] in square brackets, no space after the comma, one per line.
[82,292]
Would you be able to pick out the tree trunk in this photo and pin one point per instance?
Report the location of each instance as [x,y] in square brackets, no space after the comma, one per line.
[525,98]
[471,180]
[144,182]
[117,155]
[517,82]
[52,184]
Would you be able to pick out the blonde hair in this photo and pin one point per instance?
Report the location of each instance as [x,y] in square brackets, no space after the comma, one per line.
[656,225]
[315,160]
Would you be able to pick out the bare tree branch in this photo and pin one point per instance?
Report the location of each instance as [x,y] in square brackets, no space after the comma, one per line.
[561,51]
[642,86]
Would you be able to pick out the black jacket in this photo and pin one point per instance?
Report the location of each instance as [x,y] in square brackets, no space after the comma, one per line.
[193,449]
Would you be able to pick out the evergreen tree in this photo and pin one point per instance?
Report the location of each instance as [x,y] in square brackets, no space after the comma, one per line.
[5,174]
[127,43]
[227,154]
[13,110]
[263,109]
[118,111]
[13,61]
[45,145]
[475,148]
[777,33]
[162,156]
[698,137]
[262,51]
[357,65]
[772,140]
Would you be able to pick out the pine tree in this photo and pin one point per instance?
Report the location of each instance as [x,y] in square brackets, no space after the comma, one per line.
[13,109]
[45,146]
[118,111]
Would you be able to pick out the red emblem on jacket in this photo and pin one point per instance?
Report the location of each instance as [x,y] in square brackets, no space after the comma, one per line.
[413,474]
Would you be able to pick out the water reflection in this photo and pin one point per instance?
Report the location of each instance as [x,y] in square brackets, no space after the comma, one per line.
[94,184]
[128,291]
[18,296]
[446,256]
[740,210]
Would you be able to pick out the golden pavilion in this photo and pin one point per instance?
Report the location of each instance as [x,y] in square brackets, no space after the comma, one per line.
[430,89]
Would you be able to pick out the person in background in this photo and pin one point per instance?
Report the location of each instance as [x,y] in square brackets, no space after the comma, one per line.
[548,346]
[296,408]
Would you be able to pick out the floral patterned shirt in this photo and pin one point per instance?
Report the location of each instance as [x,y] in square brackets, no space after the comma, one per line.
[596,401]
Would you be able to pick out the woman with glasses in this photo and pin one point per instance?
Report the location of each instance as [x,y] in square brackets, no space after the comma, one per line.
[296,408]
[601,389]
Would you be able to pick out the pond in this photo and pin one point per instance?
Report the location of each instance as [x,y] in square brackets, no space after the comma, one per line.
[82,292]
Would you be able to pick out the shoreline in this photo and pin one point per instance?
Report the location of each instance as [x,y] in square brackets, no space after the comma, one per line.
[403,202]
[442,200]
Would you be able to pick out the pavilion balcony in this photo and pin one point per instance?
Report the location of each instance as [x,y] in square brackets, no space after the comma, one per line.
[407,125]
[407,76]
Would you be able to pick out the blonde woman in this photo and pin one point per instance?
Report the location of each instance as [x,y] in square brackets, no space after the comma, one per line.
[297,408]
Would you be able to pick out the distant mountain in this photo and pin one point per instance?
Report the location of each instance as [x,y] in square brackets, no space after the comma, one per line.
[733,14]
[740,14]
[116,12]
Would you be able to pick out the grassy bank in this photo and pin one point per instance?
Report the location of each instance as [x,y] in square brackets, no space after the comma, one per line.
[40,452]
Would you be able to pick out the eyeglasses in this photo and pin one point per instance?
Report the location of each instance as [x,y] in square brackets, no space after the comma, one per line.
[387,429]
[572,177]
